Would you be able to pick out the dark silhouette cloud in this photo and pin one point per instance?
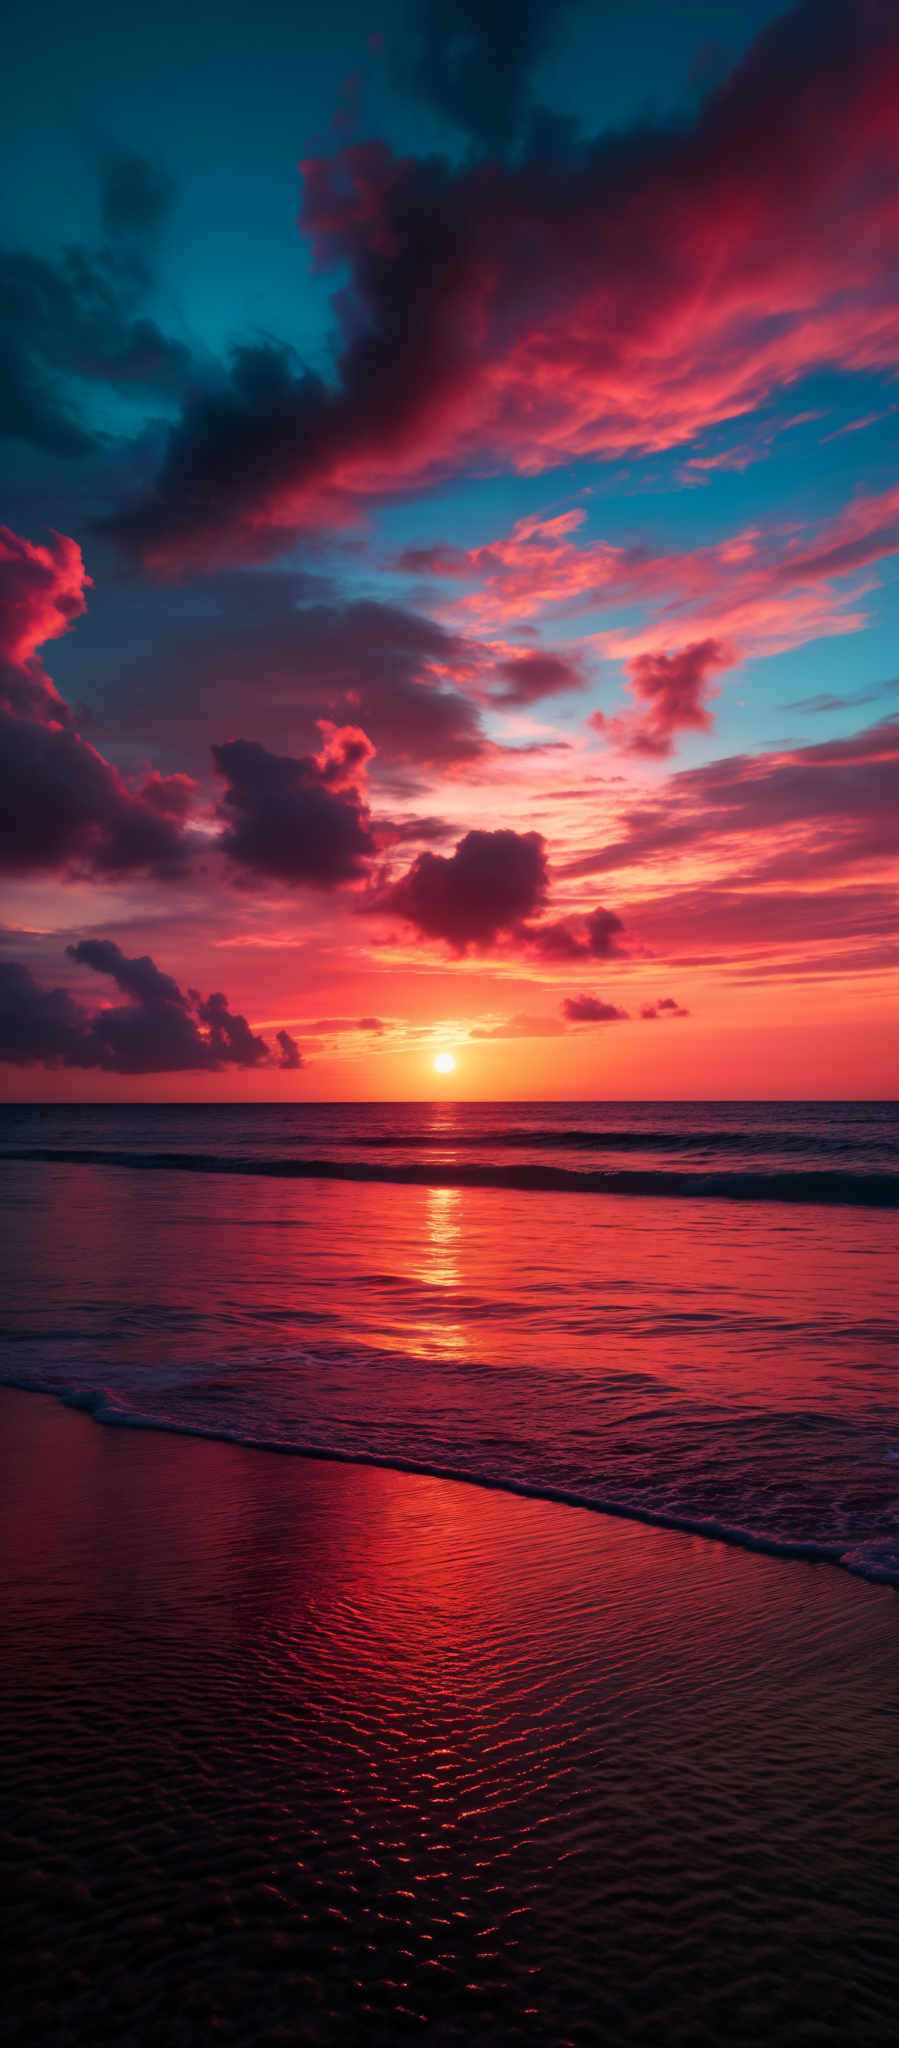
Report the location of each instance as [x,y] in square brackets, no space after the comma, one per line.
[557,940]
[63,806]
[298,820]
[490,884]
[666,1007]
[230,1039]
[590,1010]
[291,1058]
[603,933]
[597,937]
[157,1030]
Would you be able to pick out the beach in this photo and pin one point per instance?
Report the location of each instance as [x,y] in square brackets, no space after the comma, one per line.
[299,1751]
[449,1105]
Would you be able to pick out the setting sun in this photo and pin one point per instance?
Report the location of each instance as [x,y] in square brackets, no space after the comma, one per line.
[444,1063]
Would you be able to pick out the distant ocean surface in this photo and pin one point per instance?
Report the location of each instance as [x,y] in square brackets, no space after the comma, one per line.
[685,1313]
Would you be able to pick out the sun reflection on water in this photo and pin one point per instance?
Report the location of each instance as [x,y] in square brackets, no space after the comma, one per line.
[439,1267]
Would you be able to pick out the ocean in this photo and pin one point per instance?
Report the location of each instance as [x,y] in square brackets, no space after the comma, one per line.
[683,1314]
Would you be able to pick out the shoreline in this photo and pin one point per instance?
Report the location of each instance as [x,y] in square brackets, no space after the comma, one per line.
[102,1408]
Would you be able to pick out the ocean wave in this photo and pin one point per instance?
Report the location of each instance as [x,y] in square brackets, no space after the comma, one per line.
[827,1185]
[875,1558]
[562,1137]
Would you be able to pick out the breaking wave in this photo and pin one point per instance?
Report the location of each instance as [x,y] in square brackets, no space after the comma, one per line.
[828,1185]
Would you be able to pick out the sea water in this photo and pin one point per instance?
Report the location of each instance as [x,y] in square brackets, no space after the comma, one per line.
[680,1313]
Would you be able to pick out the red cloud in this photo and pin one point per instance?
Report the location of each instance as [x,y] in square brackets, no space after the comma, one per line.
[672,687]
[61,804]
[768,591]
[41,593]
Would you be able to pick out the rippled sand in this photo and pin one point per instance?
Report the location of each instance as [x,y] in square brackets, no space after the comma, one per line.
[309,1753]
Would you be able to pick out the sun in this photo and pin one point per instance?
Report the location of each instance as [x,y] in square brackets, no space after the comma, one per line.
[444,1063]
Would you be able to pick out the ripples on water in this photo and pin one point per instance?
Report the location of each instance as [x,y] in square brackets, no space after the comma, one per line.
[718,1365]
[305,1755]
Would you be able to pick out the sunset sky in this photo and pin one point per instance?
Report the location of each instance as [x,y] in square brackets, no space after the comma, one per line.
[448,577]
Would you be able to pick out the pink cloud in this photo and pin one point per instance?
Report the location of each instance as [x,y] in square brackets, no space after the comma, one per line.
[41,592]
[811,813]
[769,590]
[670,693]
[62,805]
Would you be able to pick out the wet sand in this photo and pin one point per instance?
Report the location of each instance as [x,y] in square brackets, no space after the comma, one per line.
[300,1752]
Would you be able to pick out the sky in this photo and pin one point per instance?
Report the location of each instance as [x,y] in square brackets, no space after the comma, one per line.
[448,560]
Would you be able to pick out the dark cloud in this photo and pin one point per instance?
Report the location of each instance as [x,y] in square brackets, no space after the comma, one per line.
[230,1040]
[291,1058]
[63,806]
[603,933]
[585,300]
[590,1010]
[558,940]
[252,647]
[297,820]
[158,1030]
[531,676]
[666,1007]
[597,936]
[491,884]
[472,60]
